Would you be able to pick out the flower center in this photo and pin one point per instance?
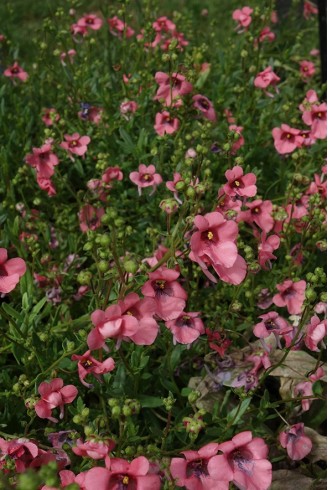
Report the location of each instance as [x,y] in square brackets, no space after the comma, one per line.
[288,136]
[210,235]
[125,480]
[243,461]
[204,104]
[3,272]
[256,210]
[236,183]
[146,177]
[160,284]
[87,364]
[319,115]
[197,468]
[73,143]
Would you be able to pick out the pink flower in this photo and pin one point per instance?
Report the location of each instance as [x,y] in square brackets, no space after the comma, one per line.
[142,310]
[164,124]
[75,144]
[128,106]
[46,185]
[163,24]
[213,243]
[246,459]
[50,116]
[171,88]
[89,365]
[307,69]
[11,270]
[44,160]
[15,71]
[260,213]
[286,139]
[111,174]
[186,328]
[293,439]
[53,395]
[122,474]
[271,323]
[195,472]
[292,295]
[119,28]
[265,79]
[243,17]
[78,30]
[266,34]
[146,177]
[316,330]
[169,296]
[71,53]
[90,21]
[93,449]
[204,105]
[309,9]
[240,141]
[266,247]
[21,450]
[316,117]
[89,217]
[239,184]
[115,323]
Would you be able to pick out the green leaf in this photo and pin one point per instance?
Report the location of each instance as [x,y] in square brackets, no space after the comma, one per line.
[236,414]
[150,401]
[11,312]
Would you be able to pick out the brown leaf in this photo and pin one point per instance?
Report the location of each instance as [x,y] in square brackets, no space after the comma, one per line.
[297,364]
[319,448]
[290,480]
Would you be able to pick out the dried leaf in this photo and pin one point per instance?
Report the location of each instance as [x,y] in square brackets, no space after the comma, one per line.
[297,364]
[319,448]
[290,480]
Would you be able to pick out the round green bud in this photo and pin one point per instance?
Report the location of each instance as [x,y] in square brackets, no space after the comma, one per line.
[84,278]
[103,265]
[105,241]
[127,412]
[180,185]
[130,266]
[116,412]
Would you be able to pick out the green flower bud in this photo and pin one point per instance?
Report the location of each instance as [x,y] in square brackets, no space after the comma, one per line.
[84,278]
[193,396]
[310,294]
[103,265]
[116,412]
[105,241]
[127,412]
[130,266]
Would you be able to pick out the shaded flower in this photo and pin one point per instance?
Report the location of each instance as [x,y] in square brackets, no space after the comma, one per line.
[164,124]
[186,328]
[205,106]
[54,394]
[246,457]
[146,177]
[11,270]
[89,365]
[286,139]
[297,444]
[291,294]
[15,71]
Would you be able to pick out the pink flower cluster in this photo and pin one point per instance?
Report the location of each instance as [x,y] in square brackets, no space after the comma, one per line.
[314,114]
